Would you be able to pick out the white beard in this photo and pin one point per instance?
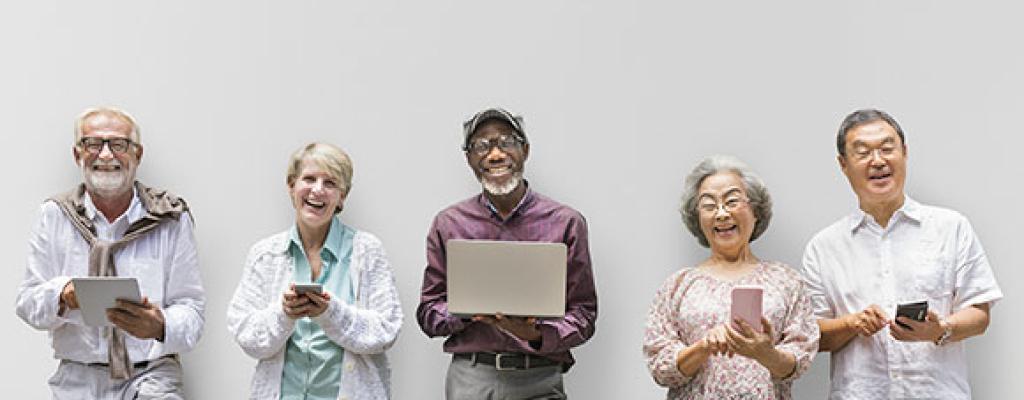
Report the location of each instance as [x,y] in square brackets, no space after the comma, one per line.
[501,190]
[107,184]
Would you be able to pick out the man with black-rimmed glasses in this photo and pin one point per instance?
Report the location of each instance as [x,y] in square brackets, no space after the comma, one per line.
[111,225]
[497,356]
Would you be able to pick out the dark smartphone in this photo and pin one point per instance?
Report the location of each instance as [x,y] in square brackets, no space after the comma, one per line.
[915,311]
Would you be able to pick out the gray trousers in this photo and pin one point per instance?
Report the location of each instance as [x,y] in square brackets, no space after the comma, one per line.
[161,379]
[466,381]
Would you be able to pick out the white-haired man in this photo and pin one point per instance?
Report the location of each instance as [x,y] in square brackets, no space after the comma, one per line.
[111,225]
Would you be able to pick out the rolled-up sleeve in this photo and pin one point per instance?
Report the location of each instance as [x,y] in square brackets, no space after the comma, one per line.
[184,299]
[38,300]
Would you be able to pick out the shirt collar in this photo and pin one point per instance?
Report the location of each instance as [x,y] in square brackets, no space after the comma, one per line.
[134,212]
[523,202]
[331,244]
[911,209]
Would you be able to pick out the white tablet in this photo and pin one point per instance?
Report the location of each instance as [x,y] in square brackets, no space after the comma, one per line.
[524,279]
[97,294]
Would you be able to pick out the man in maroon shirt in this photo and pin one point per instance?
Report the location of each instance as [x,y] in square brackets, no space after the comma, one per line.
[504,357]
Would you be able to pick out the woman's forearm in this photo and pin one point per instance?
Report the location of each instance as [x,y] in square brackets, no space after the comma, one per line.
[779,363]
[692,358]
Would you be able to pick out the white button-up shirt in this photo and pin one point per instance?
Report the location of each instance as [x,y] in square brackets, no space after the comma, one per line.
[924,253]
[164,261]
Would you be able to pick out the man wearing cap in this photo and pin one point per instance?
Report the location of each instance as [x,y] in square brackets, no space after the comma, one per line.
[111,225]
[500,356]
[891,251]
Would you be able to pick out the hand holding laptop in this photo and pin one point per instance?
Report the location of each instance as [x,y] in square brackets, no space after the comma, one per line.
[522,327]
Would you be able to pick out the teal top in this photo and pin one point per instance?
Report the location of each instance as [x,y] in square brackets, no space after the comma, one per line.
[312,362]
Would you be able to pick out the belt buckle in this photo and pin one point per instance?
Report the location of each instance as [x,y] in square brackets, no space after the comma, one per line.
[497,363]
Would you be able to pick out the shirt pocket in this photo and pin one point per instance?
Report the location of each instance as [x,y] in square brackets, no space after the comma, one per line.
[933,280]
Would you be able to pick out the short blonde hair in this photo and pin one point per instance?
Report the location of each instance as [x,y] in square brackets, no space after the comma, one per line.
[135,135]
[328,157]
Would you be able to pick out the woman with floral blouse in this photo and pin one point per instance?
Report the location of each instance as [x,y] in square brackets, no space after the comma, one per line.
[690,345]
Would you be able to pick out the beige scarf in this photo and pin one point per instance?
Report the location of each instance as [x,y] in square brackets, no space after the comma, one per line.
[160,206]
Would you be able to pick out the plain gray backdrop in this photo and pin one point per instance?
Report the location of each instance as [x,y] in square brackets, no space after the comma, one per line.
[621,100]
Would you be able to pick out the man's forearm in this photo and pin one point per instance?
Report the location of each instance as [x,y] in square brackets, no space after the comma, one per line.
[835,334]
[970,321]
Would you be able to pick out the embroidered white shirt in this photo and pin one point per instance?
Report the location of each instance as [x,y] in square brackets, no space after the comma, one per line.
[924,253]
[365,328]
[164,261]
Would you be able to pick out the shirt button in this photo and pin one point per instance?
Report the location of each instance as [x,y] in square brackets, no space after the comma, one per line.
[349,367]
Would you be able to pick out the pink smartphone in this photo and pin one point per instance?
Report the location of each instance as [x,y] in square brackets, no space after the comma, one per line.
[746,305]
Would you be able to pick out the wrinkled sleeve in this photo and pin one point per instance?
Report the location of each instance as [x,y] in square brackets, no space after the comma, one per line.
[662,341]
[184,298]
[815,290]
[577,326]
[255,317]
[372,329]
[38,300]
[799,335]
[432,312]
[975,282]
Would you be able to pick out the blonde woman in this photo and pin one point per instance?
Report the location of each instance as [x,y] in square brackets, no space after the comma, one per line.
[310,345]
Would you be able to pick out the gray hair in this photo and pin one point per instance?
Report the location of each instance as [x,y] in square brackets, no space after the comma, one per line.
[759,199]
[135,135]
[864,116]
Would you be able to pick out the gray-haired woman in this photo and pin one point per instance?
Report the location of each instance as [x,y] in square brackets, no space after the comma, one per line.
[690,342]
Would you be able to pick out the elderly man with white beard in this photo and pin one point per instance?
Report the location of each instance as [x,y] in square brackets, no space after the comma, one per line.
[498,356]
[111,225]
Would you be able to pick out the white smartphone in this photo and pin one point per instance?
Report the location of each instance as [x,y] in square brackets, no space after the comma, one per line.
[302,288]
[746,305]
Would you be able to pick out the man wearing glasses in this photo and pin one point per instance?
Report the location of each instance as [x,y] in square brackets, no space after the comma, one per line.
[111,225]
[500,356]
[894,251]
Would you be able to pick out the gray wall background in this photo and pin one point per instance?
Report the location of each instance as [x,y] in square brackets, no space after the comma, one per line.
[621,99]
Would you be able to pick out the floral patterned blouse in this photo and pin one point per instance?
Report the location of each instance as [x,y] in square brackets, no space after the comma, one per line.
[692,301]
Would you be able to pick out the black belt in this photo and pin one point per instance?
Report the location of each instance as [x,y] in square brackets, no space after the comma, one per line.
[138,365]
[508,361]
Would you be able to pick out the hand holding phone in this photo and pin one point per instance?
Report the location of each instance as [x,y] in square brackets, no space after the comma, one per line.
[916,311]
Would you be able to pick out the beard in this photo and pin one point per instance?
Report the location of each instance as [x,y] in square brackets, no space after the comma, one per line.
[108,184]
[502,189]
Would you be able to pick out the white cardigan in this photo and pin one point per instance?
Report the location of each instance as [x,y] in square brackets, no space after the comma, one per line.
[365,329]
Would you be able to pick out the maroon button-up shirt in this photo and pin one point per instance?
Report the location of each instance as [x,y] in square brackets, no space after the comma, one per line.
[536,219]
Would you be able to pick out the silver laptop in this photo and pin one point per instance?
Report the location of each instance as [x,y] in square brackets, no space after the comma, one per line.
[514,278]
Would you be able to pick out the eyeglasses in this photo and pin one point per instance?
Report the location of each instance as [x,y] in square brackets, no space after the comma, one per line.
[483,146]
[95,145]
[730,205]
[865,153]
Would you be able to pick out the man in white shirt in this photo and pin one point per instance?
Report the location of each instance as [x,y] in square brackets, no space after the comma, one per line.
[893,251]
[112,225]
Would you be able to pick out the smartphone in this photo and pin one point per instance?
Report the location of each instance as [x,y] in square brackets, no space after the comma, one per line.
[746,305]
[915,311]
[302,288]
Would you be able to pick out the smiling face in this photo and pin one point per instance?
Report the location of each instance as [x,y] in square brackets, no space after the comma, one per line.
[726,218]
[107,174]
[316,196]
[875,163]
[499,170]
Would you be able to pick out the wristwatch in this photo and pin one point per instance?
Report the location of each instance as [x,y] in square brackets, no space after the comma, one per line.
[947,332]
